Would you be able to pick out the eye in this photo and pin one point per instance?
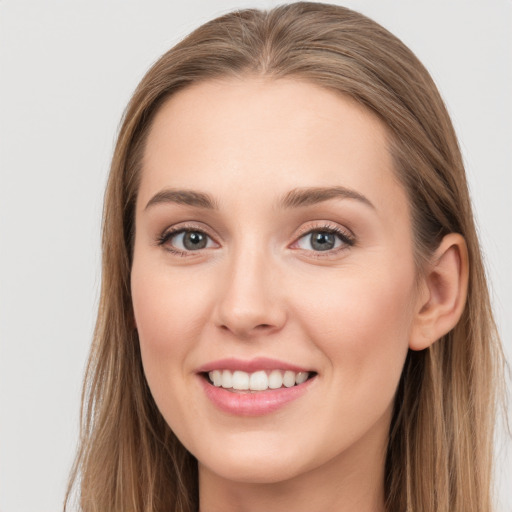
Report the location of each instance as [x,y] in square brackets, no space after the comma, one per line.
[186,240]
[324,239]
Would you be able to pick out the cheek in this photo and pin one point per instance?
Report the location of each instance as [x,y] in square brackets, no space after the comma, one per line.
[362,325]
[169,310]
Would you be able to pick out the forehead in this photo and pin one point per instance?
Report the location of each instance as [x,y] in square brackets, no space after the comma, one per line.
[258,135]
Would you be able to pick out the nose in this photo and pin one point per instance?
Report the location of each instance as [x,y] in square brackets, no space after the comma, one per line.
[250,303]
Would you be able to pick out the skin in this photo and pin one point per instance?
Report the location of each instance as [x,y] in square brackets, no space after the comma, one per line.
[260,289]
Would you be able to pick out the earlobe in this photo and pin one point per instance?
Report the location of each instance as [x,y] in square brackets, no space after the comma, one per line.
[443,294]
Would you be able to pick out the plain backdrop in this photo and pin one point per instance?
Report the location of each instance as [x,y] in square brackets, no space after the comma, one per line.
[67,70]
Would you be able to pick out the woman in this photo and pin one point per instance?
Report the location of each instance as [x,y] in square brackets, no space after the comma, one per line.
[294,313]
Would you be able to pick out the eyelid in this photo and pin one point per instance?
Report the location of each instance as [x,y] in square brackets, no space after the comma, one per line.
[324,225]
[171,231]
[346,236]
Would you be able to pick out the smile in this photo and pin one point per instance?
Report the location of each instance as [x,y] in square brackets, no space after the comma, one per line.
[256,387]
[260,380]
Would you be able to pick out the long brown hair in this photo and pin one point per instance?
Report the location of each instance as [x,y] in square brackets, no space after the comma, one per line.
[439,455]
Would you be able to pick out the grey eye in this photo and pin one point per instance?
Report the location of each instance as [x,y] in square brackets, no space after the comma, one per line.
[191,240]
[319,241]
[322,241]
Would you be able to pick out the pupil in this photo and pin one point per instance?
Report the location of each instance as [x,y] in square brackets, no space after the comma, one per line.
[321,241]
[194,240]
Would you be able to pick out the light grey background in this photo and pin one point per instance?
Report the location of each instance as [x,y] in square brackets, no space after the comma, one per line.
[67,69]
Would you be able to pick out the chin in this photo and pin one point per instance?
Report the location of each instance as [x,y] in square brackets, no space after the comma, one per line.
[258,462]
[254,471]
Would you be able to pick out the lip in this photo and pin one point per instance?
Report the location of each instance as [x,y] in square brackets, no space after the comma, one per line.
[246,403]
[250,366]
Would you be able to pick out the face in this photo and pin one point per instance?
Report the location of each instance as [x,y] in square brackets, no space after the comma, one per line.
[273,277]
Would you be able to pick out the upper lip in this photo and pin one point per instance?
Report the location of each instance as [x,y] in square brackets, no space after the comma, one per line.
[249,366]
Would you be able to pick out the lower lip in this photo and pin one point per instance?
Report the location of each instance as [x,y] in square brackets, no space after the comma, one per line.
[258,403]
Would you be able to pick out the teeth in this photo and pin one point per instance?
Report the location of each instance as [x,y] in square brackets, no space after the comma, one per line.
[289,379]
[227,379]
[301,377]
[257,381]
[240,380]
[216,377]
[275,379]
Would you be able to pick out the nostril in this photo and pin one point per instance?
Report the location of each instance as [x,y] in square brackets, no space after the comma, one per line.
[247,331]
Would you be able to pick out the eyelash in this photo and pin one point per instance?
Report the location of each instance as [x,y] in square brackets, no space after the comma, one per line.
[347,239]
[171,232]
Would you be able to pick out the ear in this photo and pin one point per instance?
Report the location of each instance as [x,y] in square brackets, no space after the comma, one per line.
[442,293]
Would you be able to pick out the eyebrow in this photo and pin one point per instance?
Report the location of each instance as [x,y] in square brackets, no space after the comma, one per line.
[185,197]
[299,197]
[296,198]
